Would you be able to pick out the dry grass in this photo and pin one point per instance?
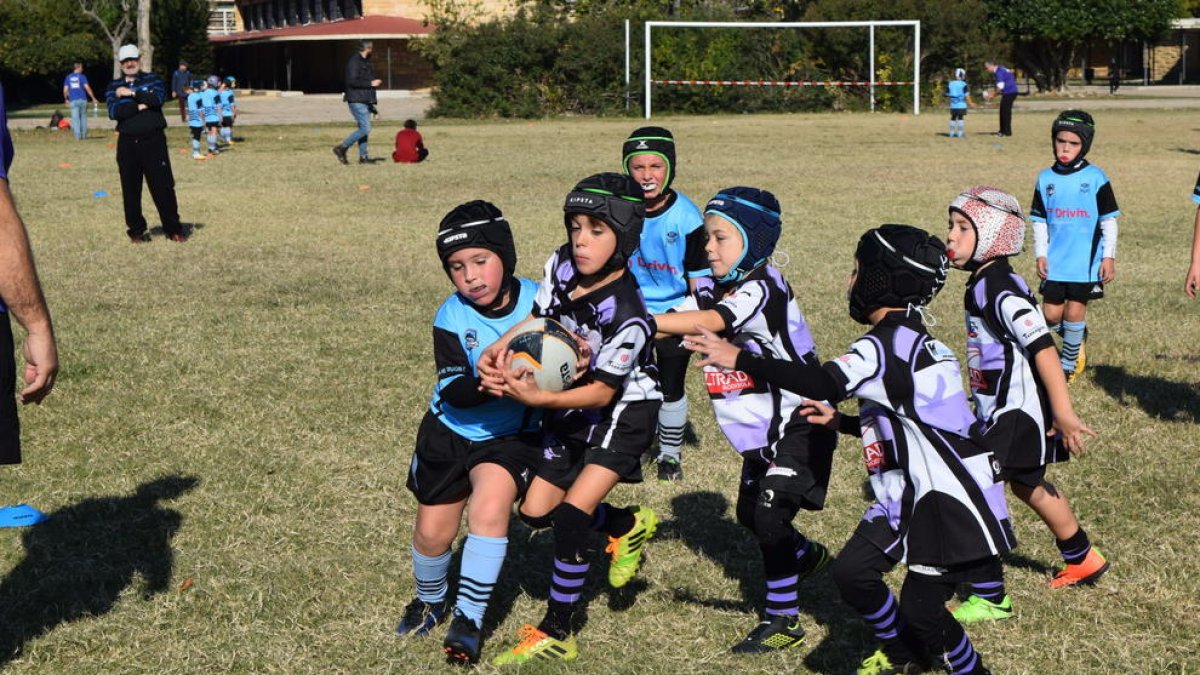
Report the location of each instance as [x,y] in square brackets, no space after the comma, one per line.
[274,369]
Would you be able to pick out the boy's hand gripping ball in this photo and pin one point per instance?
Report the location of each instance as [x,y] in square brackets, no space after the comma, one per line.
[548,350]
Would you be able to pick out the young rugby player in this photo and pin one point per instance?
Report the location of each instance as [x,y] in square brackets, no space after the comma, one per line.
[937,506]
[1018,386]
[959,94]
[670,257]
[785,460]
[473,451]
[211,105]
[195,113]
[1074,216]
[227,100]
[601,426]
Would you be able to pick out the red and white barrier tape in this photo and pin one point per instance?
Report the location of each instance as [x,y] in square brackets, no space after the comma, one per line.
[774,83]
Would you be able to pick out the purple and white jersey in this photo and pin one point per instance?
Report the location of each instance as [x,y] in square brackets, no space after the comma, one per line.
[614,321]
[934,486]
[762,318]
[1004,330]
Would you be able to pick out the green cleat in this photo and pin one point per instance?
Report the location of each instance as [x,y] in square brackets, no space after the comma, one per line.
[879,664]
[626,550]
[536,645]
[977,609]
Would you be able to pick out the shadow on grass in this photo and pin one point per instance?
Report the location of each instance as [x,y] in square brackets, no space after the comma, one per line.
[190,229]
[1187,151]
[82,557]
[1161,399]
[1023,562]
[702,524]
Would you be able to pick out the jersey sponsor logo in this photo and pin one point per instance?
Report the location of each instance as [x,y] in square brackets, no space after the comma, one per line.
[1071,213]
[978,379]
[873,455]
[780,471]
[471,339]
[1050,190]
[654,265]
[672,237]
[939,351]
[727,381]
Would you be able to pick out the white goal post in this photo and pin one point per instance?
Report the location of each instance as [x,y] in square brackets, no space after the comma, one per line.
[870,82]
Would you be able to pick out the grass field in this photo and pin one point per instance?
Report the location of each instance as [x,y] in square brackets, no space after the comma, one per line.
[225,452]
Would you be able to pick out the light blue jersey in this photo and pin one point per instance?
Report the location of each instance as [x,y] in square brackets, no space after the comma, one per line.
[956,91]
[227,101]
[658,264]
[211,106]
[195,109]
[1072,206]
[460,330]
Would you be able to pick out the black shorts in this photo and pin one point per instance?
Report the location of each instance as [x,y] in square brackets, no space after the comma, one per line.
[10,428]
[799,469]
[1022,475]
[573,441]
[226,121]
[197,132]
[1058,292]
[212,126]
[442,461]
[957,113]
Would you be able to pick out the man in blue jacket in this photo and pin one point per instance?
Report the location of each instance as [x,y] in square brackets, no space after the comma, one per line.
[135,102]
[360,96]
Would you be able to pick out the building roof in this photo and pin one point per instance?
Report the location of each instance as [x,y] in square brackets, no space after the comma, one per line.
[362,28]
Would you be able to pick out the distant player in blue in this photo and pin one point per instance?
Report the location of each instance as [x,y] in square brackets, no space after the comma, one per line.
[195,115]
[76,92]
[211,105]
[1074,218]
[959,94]
[228,102]
[668,261]
[473,451]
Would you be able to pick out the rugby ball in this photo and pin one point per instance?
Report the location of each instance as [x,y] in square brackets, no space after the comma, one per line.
[546,348]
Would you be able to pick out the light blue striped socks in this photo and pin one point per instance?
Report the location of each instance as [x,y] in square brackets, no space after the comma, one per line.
[481,561]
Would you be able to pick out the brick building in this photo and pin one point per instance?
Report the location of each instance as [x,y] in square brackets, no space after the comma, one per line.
[303,45]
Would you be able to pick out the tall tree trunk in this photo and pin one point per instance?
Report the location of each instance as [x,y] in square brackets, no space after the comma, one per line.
[145,44]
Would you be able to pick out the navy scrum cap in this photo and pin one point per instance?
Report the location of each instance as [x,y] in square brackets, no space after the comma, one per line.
[477,224]
[615,199]
[757,216]
[898,266]
[1079,123]
[651,141]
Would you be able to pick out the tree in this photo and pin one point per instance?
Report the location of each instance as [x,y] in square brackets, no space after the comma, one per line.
[43,38]
[1047,34]
[114,19]
[180,30]
[145,44]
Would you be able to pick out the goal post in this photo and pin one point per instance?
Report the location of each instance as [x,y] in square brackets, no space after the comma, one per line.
[871,82]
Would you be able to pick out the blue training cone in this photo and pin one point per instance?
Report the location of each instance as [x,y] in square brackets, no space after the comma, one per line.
[21,515]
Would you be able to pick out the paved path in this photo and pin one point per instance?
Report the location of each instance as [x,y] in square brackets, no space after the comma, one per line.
[253,110]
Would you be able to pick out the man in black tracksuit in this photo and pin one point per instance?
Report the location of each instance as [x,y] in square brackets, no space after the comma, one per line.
[360,96]
[135,102]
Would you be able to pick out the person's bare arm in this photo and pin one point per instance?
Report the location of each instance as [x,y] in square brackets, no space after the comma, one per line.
[22,294]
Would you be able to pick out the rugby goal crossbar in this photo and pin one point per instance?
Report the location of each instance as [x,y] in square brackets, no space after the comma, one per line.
[871,82]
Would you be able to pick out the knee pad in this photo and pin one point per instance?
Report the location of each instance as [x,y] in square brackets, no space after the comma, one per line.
[537,522]
[773,525]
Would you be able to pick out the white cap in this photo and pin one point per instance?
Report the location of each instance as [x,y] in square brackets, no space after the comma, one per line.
[128,52]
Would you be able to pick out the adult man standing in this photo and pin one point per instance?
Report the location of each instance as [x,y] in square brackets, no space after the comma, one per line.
[21,296]
[76,92]
[180,79]
[135,101]
[1006,87]
[360,96]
